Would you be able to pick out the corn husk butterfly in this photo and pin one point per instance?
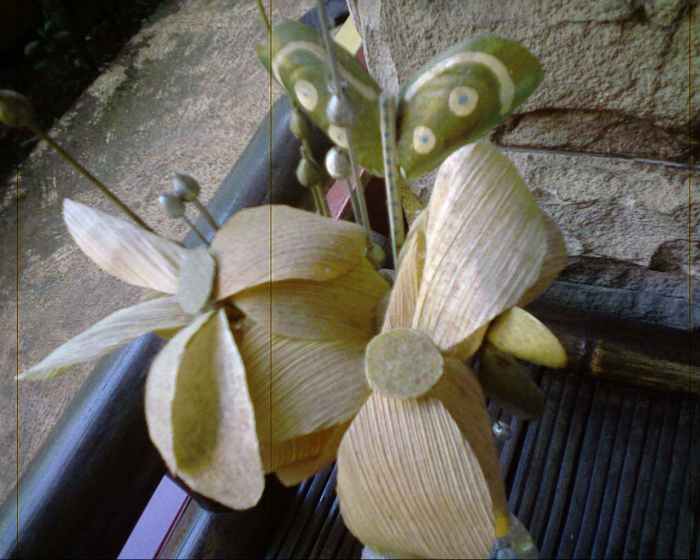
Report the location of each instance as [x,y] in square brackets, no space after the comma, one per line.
[453,100]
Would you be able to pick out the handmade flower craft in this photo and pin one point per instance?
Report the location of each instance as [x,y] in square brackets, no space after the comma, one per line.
[418,473]
[287,348]
[267,333]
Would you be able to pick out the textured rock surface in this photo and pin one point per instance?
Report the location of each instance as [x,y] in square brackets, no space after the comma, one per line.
[616,71]
[608,207]
[617,84]
[187,93]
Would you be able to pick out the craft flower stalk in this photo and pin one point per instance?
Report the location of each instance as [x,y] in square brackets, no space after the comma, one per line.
[267,330]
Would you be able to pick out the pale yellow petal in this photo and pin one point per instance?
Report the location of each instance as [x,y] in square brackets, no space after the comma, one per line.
[280,454]
[466,348]
[404,293]
[344,307]
[460,392]
[301,386]
[109,334]
[200,415]
[508,382]
[274,243]
[521,334]
[123,249]
[554,262]
[196,281]
[485,244]
[294,473]
[410,484]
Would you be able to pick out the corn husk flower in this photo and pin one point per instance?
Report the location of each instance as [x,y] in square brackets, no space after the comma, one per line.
[267,330]
[418,472]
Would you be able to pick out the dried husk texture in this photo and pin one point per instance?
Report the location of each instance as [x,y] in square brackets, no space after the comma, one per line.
[109,334]
[287,452]
[485,244]
[410,484]
[124,249]
[344,307]
[404,294]
[460,392]
[274,243]
[465,349]
[301,386]
[200,415]
[196,281]
[521,334]
[555,261]
[294,473]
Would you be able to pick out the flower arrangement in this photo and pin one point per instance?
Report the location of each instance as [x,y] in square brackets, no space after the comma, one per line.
[286,346]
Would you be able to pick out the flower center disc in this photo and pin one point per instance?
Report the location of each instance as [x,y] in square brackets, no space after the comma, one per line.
[403,363]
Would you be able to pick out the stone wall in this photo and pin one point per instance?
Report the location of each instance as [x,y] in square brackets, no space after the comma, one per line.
[607,140]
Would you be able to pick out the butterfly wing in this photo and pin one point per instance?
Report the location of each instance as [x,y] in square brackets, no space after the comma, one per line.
[459,96]
[299,64]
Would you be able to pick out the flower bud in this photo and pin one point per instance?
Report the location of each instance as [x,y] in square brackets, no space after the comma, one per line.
[307,173]
[186,187]
[338,164]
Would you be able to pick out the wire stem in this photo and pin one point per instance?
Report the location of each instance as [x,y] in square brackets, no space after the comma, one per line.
[328,44]
[205,212]
[387,113]
[264,17]
[90,177]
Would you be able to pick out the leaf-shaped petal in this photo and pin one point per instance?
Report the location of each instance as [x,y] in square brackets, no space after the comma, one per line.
[521,334]
[110,333]
[466,348]
[410,484]
[280,454]
[301,386]
[274,243]
[554,262]
[459,391]
[196,281]
[404,294]
[294,473]
[485,244]
[200,415]
[123,249]
[344,307]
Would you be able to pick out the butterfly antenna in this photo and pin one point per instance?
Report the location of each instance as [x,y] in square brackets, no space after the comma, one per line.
[263,16]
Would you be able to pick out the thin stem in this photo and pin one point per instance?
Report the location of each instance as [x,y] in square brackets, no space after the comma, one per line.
[328,43]
[358,191]
[322,203]
[194,229]
[207,216]
[90,177]
[387,112]
[317,202]
[264,17]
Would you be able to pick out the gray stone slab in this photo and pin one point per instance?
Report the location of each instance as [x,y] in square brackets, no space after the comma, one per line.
[614,208]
